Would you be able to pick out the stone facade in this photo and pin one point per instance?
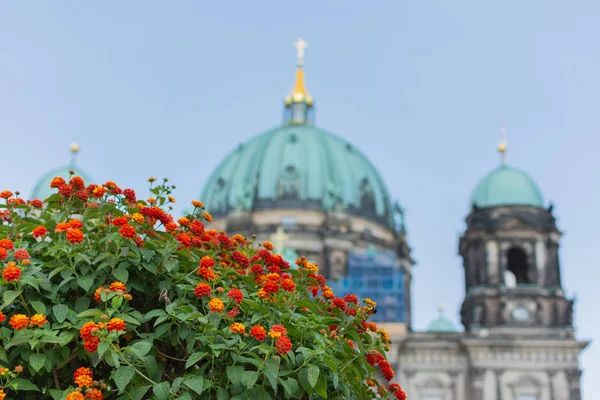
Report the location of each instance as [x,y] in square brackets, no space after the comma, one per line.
[519,342]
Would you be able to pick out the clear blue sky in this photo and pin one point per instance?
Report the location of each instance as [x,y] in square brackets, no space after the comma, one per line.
[168,88]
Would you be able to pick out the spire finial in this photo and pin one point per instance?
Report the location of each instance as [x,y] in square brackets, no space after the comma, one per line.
[301,113]
[441,309]
[502,145]
[300,46]
[74,147]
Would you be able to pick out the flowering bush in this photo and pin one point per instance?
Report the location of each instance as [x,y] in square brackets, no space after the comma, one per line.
[107,296]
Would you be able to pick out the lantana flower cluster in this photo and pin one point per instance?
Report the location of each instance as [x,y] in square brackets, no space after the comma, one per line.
[167,307]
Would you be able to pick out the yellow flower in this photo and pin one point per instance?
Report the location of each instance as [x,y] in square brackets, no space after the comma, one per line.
[171,199]
[236,327]
[38,319]
[312,268]
[216,305]
[370,302]
[3,371]
[137,217]
[384,336]
[151,200]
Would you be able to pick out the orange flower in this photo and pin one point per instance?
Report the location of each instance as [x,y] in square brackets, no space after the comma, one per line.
[99,191]
[127,231]
[268,246]
[83,377]
[183,221]
[91,345]
[283,345]
[202,290]
[94,394]
[197,204]
[236,327]
[171,199]
[137,217]
[258,332]
[207,261]
[3,253]
[75,236]
[207,216]
[39,231]
[288,285]
[75,223]
[98,293]
[119,221]
[116,324]
[19,321]
[38,319]
[312,268]
[5,194]
[277,330]
[7,244]
[57,182]
[238,239]
[3,371]
[87,330]
[216,305]
[11,272]
[3,394]
[2,317]
[118,286]
[184,239]
[62,227]
[127,296]
[74,396]
[21,254]
[236,295]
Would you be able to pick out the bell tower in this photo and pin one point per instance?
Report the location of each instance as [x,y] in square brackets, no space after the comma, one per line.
[511,261]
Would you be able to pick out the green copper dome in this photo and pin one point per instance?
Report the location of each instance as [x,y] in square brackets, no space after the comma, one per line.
[42,188]
[506,186]
[441,324]
[302,167]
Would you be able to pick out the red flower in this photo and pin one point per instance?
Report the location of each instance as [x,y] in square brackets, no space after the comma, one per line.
[91,345]
[240,258]
[62,227]
[77,182]
[75,236]
[116,324]
[197,227]
[3,253]
[129,195]
[21,254]
[7,244]
[118,286]
[374,357]
[397,390]
[271,287]
[258,332]
[11,272]
[184,239]
[236,295]
[119,221]
[98,191]
[65,190]
[257,269]
[2,317]
[75,224]
[207,273]
[36,203]
[339,303]
[81,195]
[283,345]
[288,285]
[202,290]
[207,262]
[351,298]
[57,182]
[128,231]
[5,194]
[386,370]
[234,312]
[87,330]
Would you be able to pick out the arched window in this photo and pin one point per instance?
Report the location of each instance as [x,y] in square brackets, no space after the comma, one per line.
[517,264]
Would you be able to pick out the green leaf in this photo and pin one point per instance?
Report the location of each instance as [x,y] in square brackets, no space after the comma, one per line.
[128,318]
[249,378]
[102,347]
[273,366]
[37,361]
[23,384]
[194,358]
[313,375]
[93,312]
[303,376]
[122,376]
[336,380]
[116,302]
[222,394]
[31,281]
[170,265]
[121,274]
[86,282]
[139,393]
[82,304]
[10,296]
[196,384]
[235,374]
[161,391]
[141,348]
[50,339]
[38,306]
[290,386]
[321,387]
[154,313]
[177,382]
[58,394]
[60,312]
[101,257]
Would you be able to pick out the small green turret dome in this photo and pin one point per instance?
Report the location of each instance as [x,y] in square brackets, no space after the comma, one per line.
[298,166]
[506,186]
[441,323]
[42,188]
